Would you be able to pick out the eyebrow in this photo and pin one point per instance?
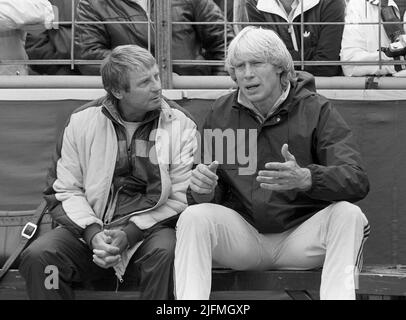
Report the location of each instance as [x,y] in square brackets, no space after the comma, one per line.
[147,76]
[143,78]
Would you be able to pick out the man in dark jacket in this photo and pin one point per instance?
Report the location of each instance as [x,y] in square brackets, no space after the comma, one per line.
[288,204]
[189,42]
[320,42]
[53,44]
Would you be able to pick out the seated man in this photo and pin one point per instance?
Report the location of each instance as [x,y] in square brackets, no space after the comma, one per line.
[290,208]
[362,42]
[321,42]
[119,183]
[189,42]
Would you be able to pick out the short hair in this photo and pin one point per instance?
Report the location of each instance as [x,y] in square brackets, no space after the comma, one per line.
[264,45]
[122,59]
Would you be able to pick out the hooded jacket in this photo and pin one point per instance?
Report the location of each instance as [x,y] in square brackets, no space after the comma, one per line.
[189,42]
[321,42]
[317,136]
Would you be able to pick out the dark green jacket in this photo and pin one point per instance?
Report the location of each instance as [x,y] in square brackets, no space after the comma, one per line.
[53,44]
[317,136]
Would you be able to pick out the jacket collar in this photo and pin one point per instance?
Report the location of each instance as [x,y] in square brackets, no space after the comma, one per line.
[111,111]
[243,101]
[393,4]
[283,107]
[273,7]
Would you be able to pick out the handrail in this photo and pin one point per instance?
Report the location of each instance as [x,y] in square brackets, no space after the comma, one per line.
[197,82]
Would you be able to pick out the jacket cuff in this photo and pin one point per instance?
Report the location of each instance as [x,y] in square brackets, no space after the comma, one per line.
[316,175]
[90,232]
[196,198]
[202,198]
[134,234]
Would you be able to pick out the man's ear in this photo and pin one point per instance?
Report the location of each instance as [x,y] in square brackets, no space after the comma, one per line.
[117,93]
[279,70]
[231,71]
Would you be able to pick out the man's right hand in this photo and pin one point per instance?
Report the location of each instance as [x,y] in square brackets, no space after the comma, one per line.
[204,178]
[105,255]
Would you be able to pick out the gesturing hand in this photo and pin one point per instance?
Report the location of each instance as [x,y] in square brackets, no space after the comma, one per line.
[285,176]
[204,178]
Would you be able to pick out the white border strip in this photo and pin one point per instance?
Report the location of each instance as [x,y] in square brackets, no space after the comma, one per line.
[90,94]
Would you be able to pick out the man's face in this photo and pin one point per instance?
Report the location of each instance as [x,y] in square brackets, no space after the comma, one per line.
[144,94]
[259,81]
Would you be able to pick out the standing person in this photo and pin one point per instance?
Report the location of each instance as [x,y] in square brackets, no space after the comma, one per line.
[363,42]
[321,42]
[118,185]
[293,209]
[230,8]
[15,18]
[189,41]
[53,44]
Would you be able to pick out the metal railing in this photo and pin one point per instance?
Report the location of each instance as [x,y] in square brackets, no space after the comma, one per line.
[162,24]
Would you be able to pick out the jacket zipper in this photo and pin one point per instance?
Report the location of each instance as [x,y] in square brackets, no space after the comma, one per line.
[119,280]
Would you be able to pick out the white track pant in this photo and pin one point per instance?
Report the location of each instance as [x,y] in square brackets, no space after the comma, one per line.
[332,238]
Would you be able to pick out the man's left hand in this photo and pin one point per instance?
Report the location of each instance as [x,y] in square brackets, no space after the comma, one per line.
[285,176]
[119,239]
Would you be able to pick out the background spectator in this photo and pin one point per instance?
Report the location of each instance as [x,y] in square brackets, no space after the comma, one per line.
[53,43]
[321,42]
[236,12]
[402,6]
[15,18]
[230,7]
[189,42]
[361,42]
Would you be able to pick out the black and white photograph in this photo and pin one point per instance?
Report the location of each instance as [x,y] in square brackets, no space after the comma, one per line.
[202,156]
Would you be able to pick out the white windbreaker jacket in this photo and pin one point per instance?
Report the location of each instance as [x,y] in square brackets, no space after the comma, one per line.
[361,42]
[84,171]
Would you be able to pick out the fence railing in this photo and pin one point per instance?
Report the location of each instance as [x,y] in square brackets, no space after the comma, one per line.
[197,82]
[163,24]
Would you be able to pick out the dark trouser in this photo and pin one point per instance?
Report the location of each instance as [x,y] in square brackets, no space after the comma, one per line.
[151,264]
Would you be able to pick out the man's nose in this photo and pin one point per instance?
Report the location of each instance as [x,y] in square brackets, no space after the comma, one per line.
[157,86]
[248,71]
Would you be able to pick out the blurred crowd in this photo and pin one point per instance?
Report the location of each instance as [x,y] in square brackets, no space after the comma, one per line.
[334,30]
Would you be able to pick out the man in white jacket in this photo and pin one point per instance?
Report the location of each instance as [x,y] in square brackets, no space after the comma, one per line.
[118,185]
[15,17]
[362,42]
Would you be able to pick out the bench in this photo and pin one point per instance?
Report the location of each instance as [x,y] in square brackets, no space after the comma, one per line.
[375,282]
[383,282]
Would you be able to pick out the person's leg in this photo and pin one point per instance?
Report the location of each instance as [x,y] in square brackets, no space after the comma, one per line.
[152,265]
[206,233]
[71,257]
[332,238]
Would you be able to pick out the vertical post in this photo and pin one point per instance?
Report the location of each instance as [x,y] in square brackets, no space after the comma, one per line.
[163,38]
[72,40]
[301,35]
